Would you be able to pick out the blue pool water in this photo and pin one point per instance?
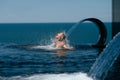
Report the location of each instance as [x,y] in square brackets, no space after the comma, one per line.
[19,62]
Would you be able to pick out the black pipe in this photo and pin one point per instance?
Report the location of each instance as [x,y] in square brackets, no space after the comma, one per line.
[102,31]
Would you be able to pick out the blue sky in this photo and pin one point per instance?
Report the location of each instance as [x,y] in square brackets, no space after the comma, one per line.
[40,11]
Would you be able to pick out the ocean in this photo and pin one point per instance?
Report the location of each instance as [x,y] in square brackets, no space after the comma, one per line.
[18,61]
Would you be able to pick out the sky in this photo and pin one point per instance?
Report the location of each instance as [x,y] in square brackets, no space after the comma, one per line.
[40,11]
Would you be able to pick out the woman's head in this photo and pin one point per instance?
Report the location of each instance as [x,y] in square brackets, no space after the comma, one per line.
[60,36]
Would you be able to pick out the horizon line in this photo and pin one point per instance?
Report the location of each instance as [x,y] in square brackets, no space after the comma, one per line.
[47,22]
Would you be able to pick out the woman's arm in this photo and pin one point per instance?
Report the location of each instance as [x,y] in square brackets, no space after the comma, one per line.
[66,47]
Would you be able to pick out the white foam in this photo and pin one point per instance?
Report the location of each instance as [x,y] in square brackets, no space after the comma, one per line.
[65,76]
[47,47]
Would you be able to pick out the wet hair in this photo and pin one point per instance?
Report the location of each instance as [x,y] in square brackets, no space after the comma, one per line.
[63,37]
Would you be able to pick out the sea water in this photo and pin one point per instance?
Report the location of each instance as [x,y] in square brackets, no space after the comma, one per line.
[19,62]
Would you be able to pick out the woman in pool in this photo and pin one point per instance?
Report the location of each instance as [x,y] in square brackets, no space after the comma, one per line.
[61,41]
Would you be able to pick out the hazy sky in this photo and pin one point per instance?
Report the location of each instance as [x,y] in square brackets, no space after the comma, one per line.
[26,11]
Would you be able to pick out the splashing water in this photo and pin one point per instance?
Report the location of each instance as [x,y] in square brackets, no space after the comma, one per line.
[73,76]
[50,46]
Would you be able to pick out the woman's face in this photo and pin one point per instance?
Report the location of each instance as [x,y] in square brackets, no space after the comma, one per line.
[58,36]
